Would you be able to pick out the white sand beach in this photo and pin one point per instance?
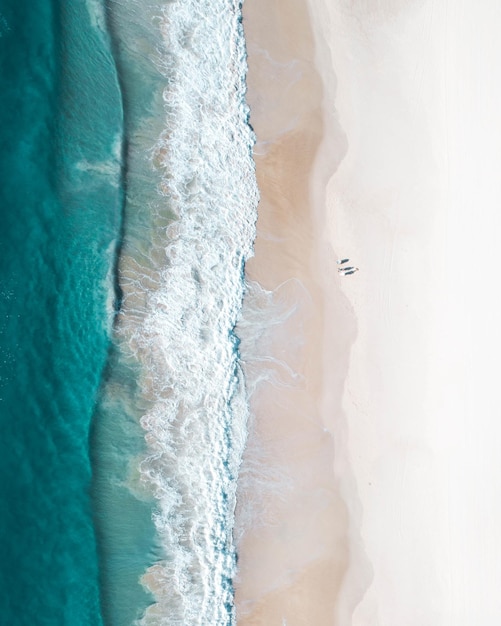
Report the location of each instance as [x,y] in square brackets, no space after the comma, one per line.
[379,139]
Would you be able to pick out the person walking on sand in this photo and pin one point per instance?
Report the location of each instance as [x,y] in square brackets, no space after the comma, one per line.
[345,269]
[347,273]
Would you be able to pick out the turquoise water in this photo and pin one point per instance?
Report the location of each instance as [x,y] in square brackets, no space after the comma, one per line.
[123,510]
[60,216]
[127,212]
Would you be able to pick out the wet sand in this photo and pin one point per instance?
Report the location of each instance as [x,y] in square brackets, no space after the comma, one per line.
[292,527]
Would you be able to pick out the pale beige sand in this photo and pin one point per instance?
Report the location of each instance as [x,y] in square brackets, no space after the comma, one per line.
[292,526]
[408,472]
[416,202]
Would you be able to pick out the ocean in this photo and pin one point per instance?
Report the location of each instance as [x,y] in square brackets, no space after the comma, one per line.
[128,213]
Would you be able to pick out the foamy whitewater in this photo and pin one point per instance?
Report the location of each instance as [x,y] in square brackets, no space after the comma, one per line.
[182,300]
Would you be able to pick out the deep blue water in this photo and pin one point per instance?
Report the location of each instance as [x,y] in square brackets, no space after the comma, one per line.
[60,219]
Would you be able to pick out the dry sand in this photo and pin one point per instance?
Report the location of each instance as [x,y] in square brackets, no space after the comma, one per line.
[416,199]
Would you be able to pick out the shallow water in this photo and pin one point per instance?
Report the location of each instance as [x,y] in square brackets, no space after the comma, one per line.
[174,379]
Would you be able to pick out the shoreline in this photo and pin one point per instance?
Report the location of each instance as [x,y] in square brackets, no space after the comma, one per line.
[299,531]
[190,226]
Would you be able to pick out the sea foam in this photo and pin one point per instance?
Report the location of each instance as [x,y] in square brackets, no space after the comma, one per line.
[182,300]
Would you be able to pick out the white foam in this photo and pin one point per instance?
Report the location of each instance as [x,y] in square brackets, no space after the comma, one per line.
[179,323]
[269,320]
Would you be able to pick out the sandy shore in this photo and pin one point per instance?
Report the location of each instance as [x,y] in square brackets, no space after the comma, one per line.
[417,198]
[292,525]
[376,483]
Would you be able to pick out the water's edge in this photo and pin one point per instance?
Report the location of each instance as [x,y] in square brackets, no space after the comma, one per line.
[170,428]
